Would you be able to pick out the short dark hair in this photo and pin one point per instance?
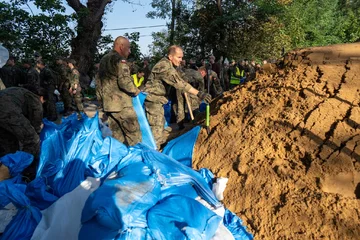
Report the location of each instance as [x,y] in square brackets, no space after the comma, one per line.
[72,61]
[40,61]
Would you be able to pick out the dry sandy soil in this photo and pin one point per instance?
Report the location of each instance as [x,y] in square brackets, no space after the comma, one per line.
[289,142]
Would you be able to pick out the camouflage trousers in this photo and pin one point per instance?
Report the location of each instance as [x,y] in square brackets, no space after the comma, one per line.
[78,101]
[155,116]
[18,134]
[125,126]
[66,97]
[180,109]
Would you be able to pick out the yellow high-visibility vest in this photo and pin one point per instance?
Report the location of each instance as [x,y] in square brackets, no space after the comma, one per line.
[236,79]
[137,81]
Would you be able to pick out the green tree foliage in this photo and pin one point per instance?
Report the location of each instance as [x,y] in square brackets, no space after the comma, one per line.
[23,33]
[135,54]
[257,29]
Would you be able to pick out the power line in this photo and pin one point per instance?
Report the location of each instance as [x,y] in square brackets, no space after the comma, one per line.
[153,26]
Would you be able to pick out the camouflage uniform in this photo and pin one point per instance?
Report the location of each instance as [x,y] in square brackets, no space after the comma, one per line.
[163,76]
[47,81]
[215,86]
[195,79]
[20,121]
[74,81]
[63,76]
[116,88]
[33,77]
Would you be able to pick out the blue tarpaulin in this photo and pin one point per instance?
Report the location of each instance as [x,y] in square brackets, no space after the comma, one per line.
[143,192]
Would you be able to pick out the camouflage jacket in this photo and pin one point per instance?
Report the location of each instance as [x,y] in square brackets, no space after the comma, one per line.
[164,76]
[17,100]
[215,86]
[194,78]
[74,78]
[115,84]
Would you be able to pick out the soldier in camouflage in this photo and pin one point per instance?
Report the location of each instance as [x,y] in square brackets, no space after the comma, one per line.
[21,116]
[32,75]
[215,86]
[75,89]
[164,76]
[195,79]
[116,89]
[63,75]
[48,81]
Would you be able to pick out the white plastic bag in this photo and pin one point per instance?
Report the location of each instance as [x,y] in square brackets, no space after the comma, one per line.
[219,187]
[62,220]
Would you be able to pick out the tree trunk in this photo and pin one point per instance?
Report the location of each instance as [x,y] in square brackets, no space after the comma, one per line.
[172,23]
[88,31]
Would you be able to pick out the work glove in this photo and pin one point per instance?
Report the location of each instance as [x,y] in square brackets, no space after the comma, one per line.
[204,97]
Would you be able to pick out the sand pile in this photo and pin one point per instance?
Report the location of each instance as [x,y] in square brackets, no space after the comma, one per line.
[290,143]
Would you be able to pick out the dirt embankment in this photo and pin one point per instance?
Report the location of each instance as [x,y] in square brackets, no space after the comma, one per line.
[290,143]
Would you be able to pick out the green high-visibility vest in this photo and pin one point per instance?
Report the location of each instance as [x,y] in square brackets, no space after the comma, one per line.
[238,74]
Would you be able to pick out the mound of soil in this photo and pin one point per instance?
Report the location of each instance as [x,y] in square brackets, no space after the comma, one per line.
[289,142]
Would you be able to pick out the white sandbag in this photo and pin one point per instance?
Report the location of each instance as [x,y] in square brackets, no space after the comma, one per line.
[62,220]
[219,187]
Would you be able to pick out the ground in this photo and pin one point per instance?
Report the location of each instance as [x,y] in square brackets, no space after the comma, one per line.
[289,142]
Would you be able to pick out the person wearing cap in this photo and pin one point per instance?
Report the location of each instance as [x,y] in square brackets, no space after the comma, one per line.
[75,89]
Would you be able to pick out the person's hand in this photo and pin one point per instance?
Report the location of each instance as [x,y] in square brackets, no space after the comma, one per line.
[204,97]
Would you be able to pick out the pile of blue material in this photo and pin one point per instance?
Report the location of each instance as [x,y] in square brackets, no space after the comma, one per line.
[144,194]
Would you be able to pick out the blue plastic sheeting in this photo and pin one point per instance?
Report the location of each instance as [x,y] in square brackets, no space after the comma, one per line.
[167,113]
[182,147]
[27,218]
[146,134]
[208,176]
[17,162]
[143,178]
[232,222]
[179,217]
[172,173]
[123,202]
[37,193]
[235,226]
[144,185]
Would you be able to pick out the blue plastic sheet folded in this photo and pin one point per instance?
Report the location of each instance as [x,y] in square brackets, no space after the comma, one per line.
[17,162]
[172,173]
[182,147]
[27,218]
[179,217]
[235,226]
[146,134]
[123,202]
